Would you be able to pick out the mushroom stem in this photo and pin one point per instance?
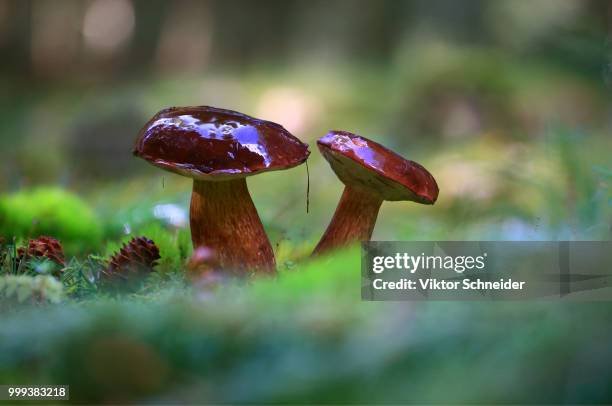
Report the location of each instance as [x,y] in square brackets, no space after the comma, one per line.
[224,219]
[353,221]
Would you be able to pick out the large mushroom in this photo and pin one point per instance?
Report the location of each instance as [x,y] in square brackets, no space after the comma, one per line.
[218,149]
[371,174]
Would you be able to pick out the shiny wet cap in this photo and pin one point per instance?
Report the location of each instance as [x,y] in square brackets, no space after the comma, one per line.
[364,164]
[207,143]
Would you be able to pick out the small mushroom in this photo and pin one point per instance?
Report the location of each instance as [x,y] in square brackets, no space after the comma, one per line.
[371,174]
[218,149]
[202,261]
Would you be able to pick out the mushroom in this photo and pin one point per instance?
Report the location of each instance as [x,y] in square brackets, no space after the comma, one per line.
[371,174]
[218,149]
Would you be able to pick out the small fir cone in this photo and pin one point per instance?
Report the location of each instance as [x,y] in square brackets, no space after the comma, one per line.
[205,273]
[134,260]
[40,247]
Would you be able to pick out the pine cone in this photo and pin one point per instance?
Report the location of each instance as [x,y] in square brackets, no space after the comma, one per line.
[40,247]
[133,261]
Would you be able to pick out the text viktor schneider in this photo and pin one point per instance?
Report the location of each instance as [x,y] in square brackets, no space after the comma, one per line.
[441,284]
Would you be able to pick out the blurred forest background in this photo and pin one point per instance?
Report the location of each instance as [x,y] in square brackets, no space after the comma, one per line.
[506,102]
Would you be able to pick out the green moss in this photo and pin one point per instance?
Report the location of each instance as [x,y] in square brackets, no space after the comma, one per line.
[53,212]
[23,289]
[330,277]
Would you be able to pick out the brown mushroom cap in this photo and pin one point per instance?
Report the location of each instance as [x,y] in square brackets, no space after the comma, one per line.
[207,143]
[364,164]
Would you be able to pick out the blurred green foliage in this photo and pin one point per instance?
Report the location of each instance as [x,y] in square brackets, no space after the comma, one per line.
[305,337]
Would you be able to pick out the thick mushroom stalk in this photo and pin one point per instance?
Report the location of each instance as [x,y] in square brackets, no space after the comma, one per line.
[353,221]
[224,219]
[371,174]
